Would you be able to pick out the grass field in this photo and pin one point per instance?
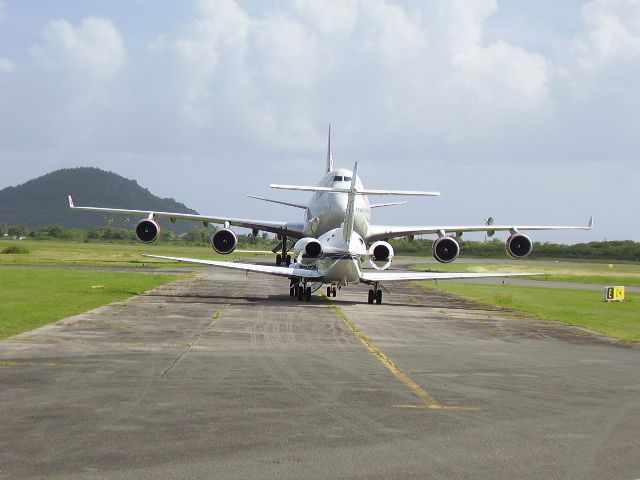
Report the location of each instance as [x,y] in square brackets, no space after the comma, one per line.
[600,274]
[575,307]
[107,254]
[32,297]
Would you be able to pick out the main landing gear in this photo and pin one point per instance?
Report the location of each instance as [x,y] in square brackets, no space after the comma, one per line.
[331,291]
[301,291]
[283,258]
[375,295]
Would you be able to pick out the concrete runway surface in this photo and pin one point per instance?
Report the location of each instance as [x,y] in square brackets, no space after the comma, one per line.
[224,376]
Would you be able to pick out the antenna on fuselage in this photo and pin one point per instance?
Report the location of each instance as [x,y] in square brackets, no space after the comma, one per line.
[329,153]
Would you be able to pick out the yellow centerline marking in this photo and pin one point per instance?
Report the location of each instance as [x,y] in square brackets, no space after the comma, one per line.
[427,401]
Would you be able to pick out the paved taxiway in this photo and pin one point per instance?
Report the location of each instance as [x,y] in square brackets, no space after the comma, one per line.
[223,376]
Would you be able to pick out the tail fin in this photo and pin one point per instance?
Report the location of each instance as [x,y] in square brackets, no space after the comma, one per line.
[350,215]
[329,153]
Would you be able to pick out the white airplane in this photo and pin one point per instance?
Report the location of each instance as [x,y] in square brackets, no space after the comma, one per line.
[336,238]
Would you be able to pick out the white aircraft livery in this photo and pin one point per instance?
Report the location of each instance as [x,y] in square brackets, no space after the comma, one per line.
[336,239]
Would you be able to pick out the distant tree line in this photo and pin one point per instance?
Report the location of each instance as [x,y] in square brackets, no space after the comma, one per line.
[626,250]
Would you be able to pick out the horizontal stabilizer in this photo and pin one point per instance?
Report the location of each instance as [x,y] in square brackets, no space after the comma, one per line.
[378,205]
[366,191]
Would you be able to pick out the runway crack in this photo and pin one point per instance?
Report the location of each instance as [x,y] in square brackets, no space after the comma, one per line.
[215,317]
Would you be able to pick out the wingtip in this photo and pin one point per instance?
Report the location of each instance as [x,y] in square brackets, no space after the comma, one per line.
[590,225]
[71,205]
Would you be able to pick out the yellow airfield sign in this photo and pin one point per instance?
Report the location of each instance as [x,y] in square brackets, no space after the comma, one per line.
[614,294]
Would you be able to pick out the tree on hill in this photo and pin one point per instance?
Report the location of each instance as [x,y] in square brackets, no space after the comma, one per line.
[43,201]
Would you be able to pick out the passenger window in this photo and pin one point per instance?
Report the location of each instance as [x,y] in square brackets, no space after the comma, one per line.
[347,179]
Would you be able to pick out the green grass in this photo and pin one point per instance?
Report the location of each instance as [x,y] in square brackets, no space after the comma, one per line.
[575,307]
[32,297]
[15,250]
[42,252]
[598,274]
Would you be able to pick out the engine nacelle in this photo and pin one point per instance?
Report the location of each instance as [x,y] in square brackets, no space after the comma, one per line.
[518,245]
[308,246]
[445,249]
[224,241]
[147,231]
[309,249]
[380,255]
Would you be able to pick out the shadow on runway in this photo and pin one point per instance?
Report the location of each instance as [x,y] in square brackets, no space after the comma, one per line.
[423,300]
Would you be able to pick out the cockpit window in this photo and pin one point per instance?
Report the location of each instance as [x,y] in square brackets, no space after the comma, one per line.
[339,178]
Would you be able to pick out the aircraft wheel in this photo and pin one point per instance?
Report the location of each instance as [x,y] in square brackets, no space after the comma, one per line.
[379,297]
[292,290]
[288,260]
[328,292]
[370,299]
[333,290]
[300,292]
[308,294]
[278,259]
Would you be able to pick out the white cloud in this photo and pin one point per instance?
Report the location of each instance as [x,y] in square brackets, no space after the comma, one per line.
[218,35]
[495,72]
[95,47]
[6,65]
[287,53]
[500,70]
[613,33]
[392,33]
[435,87]
[331,17]
[462,22]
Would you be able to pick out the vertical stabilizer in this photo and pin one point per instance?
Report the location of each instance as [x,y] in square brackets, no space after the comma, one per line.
[350,214]
[329,153]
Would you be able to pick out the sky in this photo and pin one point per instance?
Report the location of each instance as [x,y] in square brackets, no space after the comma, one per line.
[528,112]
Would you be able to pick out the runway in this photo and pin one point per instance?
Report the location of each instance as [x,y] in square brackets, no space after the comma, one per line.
[224,376]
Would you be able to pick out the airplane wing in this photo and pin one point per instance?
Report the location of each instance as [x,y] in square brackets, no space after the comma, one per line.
[380,232]
[283,228]
[289,204]
[288,272]
[385,276]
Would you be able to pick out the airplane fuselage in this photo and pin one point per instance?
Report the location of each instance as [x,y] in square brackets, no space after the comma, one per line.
[326,210]
[341,262]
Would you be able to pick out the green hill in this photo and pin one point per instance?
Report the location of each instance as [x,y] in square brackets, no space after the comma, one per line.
[43,201]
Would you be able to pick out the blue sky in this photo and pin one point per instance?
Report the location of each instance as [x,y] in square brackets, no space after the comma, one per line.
[525,111]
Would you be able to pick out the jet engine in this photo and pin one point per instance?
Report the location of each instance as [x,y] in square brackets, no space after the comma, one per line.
[147,231]
[445,249]
[309,248]
[518,245]
[380,255]
[224,241]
